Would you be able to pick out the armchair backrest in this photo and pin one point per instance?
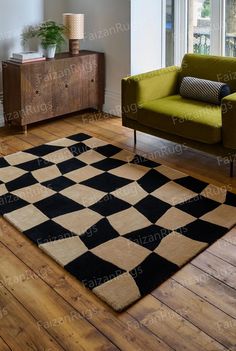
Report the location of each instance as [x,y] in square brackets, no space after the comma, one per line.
[217,68]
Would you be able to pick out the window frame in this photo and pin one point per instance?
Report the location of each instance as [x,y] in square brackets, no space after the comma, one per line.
[218,9]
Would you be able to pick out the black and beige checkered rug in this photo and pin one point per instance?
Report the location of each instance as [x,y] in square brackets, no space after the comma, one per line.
[118,222]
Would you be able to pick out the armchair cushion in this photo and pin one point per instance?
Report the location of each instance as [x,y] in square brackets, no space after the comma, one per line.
[192,119]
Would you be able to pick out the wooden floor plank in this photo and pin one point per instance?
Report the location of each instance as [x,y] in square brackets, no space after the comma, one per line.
[224,250]
[198,311]
[4,346]
[66,325]
[172,327]
[216,267]
[207,287]
[19,329]
[231,236]
[110,323]
[43,134]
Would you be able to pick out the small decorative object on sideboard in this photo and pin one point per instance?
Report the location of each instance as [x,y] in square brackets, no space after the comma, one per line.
[51,35]
[27,56]
[74,23]
[37,91]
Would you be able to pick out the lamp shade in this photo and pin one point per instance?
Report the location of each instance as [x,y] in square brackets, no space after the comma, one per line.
[75,25]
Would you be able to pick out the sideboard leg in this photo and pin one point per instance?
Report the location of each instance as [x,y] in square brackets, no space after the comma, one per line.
[231,169]
[100,108]
[135,137]
[25,130]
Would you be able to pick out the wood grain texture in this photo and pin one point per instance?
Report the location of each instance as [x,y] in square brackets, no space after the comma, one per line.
[14,323]
[4,346]
[194,310]
[41,90]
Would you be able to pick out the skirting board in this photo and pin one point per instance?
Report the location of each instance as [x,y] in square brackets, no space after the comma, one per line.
[112,103]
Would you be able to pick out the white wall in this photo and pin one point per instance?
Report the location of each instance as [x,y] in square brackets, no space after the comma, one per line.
[146,35]
[53,10]
[14,16]
[107,26]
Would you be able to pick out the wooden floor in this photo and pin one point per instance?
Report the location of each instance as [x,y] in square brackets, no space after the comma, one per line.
[43,308]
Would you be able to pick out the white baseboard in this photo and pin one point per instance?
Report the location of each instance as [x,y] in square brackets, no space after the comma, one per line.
[112,103]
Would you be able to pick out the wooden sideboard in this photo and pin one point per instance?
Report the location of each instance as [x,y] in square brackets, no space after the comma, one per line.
[40,90]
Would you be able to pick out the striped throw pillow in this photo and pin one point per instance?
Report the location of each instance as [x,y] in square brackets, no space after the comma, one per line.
[203,90]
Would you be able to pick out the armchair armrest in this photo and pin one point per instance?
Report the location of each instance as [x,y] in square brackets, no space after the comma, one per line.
[141,88]
[228,107]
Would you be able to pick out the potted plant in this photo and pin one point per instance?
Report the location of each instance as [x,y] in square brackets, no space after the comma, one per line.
[51,35]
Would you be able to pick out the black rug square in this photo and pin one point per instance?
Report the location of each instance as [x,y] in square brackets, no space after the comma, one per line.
[108,164]
[35,165]
[92,271]
[3,163]
[149,237]
[47,232]
[57,205]
[109,205]
[10,202]
[106,182]
[203,231]
[70,165]
[108,150]
[79,137]
[58,184]
[152,208]
[43,150]
[152,181]
[99,234]
[24,181]
[192,184]
[143,274]
[198,206]
[230,199]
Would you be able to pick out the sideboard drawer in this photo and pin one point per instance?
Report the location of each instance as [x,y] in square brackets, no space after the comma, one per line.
[51,88]
[36,93]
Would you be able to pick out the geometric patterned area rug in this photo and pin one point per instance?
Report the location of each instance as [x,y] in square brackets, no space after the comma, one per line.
[120,223]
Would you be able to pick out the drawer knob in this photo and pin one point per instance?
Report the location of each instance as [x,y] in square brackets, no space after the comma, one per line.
[66,85]
[92,80]
[37,92]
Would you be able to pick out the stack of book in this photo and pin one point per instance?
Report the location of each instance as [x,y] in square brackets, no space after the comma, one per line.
[27,56]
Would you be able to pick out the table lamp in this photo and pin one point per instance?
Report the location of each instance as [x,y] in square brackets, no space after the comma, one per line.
[74,22]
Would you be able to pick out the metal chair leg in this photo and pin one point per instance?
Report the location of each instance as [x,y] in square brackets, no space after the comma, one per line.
[135,137]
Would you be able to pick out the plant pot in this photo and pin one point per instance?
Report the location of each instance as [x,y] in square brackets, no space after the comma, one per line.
[51,51]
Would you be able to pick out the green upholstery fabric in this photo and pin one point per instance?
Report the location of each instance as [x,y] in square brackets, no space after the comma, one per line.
[183,117]
[151,100]
[217,68]
[146,87]
[229,121]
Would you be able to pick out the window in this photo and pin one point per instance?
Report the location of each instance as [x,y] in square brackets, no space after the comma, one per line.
[230,28]
[170,32]
[199,26]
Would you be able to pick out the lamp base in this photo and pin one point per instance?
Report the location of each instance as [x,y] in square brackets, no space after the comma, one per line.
[74,46]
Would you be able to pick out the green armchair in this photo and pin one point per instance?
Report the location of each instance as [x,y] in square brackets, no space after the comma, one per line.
[151,104]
